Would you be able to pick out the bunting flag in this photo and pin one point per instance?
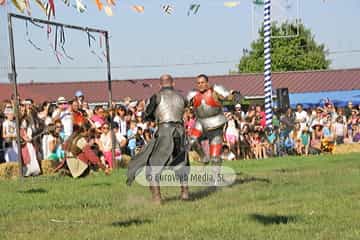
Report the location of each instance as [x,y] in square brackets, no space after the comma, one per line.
[99,5]
[108,11]
[2,2]
[41,5]
[50,8]
[28,9]
[138,8]
[167,8]
[111,2]
[231,4]
[66,2]
[20,5]
[193,9]
[80,7]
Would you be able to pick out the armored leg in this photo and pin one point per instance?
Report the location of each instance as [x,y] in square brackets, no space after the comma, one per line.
[195,134]
[215,153]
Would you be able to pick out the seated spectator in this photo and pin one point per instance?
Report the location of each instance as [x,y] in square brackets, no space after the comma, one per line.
[79,153]
[305,141]
[283,135]
[339,129]
[257,145]
[356,130]
[131,136]
[51,143]
[327,133]
[245,142]
[227,154]
[295,136]
[105,144]
[140,142]
[271,140]
[147,136]
[317,136]
[98,116]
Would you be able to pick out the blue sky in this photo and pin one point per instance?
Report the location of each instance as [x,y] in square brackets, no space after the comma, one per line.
[139,41]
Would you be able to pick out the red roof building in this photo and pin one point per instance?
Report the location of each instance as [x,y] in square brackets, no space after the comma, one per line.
[250,85]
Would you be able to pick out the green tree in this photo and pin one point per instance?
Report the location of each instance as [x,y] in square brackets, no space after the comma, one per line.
[288,54]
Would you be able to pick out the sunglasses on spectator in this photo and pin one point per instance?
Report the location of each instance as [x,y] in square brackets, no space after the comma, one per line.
[58,126]
[105,127]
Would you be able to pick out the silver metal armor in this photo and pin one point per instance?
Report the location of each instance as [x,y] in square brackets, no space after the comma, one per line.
[170,106]
[208,110]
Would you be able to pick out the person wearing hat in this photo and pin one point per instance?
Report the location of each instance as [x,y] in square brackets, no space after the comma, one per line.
[64,114]
[80,98]
[317,136]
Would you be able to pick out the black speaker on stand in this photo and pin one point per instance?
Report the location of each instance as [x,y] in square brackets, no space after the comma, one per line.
[282,95]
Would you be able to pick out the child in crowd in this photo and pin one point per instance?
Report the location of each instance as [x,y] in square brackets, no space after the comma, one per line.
[131,135]
[305,141]
[270,141]
[105,144]
[227,154]
[9,136]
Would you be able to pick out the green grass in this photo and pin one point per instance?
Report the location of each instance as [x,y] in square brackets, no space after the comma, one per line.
[287,198]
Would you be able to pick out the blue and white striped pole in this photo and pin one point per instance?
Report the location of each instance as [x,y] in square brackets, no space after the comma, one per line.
[267,69]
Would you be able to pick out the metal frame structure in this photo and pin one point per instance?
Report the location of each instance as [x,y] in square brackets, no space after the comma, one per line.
[13,75]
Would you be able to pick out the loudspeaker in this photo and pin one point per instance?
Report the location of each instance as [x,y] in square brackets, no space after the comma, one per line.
[282,95]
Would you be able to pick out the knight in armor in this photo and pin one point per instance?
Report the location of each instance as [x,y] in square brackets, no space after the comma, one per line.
[167,148]
[210,119]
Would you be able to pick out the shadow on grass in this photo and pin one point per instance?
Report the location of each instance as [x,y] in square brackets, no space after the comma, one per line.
[99,184]
[34,190]
[194,196]
[248,179]
[273,219]
[130,222]
[286,170]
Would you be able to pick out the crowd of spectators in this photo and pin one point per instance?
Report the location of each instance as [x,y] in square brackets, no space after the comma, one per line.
[45,128]
[295,131]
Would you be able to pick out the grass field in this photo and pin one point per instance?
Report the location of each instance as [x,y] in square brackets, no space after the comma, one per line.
[288,198]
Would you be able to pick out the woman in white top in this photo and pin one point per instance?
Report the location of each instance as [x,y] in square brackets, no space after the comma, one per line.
[28,153]
[9,136]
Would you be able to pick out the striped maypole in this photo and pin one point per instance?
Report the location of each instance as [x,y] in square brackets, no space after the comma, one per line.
[267,69]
